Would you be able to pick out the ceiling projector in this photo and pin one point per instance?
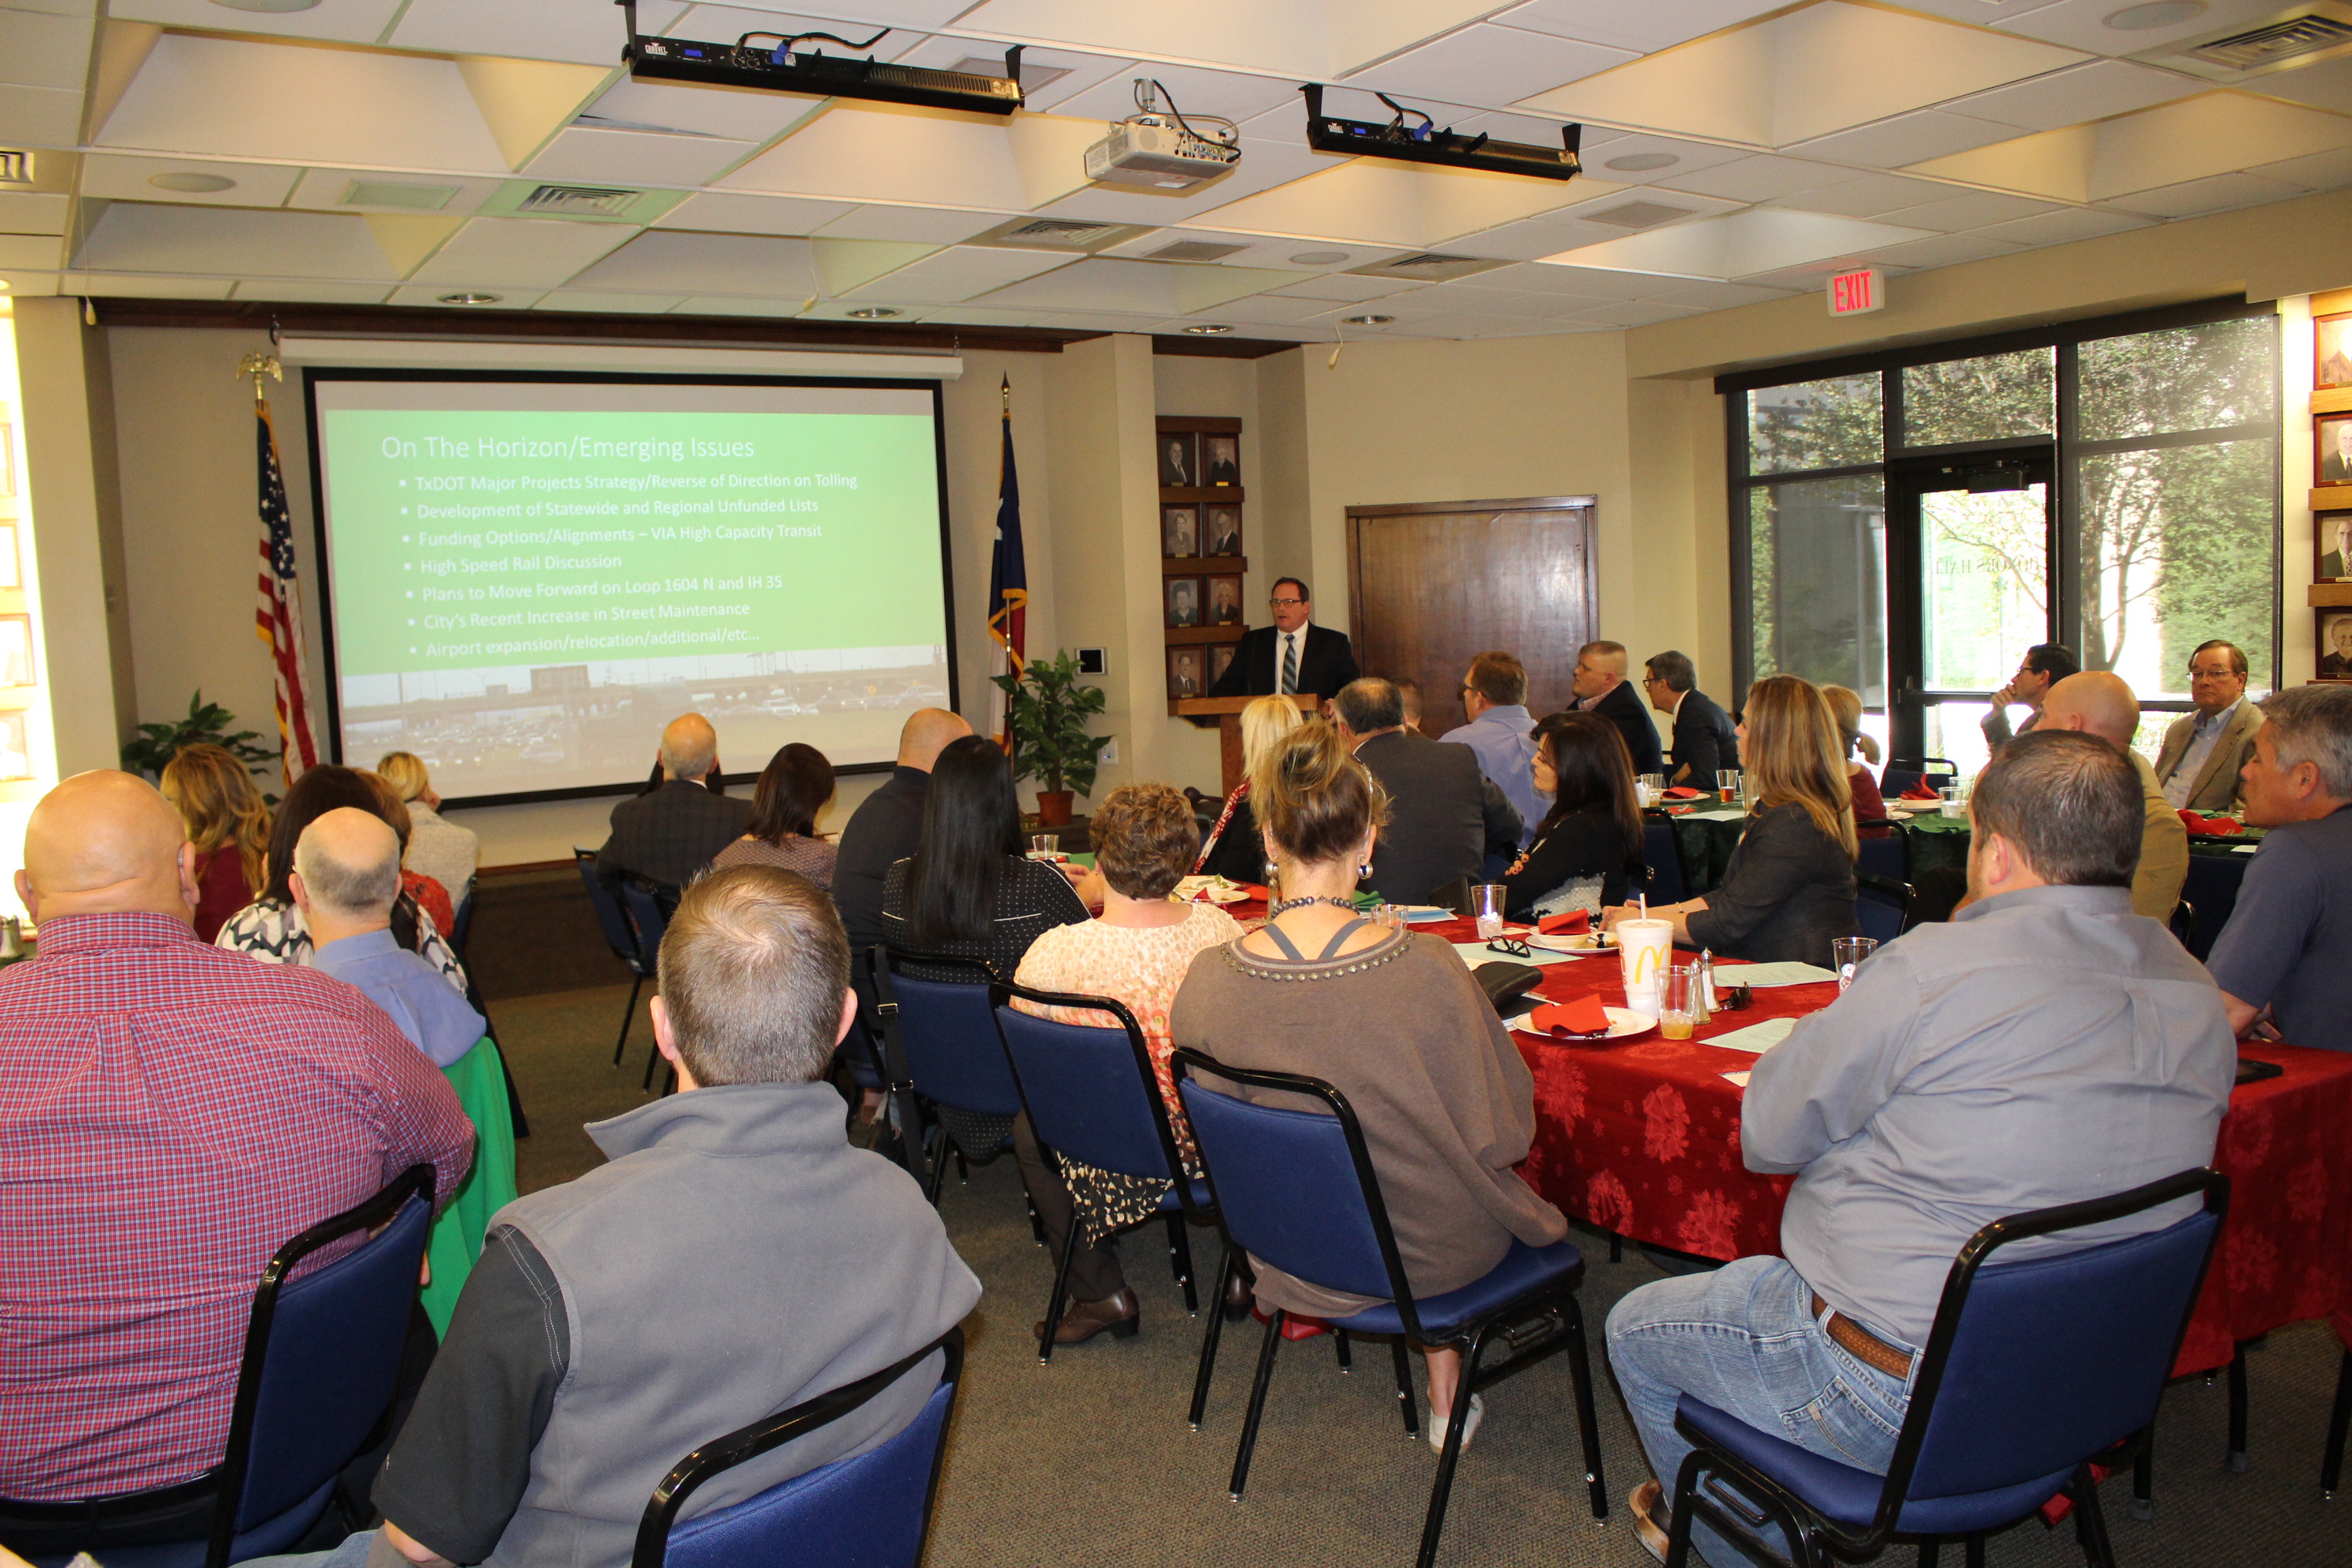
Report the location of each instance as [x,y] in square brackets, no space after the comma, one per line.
[1162,150]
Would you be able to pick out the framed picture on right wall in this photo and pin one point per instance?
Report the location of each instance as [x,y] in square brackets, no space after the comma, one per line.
[2334,346]
[2335,639]
[2331,541]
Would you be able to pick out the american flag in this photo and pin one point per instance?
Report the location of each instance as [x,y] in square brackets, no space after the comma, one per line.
[278,619]
[1008,577]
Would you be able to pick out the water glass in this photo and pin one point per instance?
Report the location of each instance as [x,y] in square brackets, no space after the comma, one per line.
[1847,952]
[1679,1001]
[1948,802]
[1650,790]
[1486,904]
[1726,784]
[1044,843]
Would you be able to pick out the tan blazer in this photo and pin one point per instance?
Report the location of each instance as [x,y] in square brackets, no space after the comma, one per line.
[2217,782]
[2163,850]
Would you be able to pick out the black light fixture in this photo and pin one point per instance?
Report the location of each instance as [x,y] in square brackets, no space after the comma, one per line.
[1425,143]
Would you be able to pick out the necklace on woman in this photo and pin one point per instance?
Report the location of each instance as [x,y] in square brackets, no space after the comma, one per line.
[1288,904]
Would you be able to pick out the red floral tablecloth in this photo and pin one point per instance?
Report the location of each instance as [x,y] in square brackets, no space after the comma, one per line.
[1642,1137]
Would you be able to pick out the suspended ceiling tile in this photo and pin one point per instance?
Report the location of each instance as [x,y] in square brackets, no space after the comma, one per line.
[1489,65]
[585,156]
[843,310]
[1644,28]
[31,252]
[1532,240]
[33,212]
[1235,96]
[1960,210]
[740,114]
[1524,303]
[2324,84]
[2082,23]
[2061,225]
[287,293]
[1250,250]
[728,213]
[1755,179]
[1587,283]
[872,13]
[1075,320]
[1868,196]
[1724,248]
[928,226]
[1636,155]
[1942,251]
[1346,288]
[2218,192]
[668,261]
[39,116]
[1071,72]
[1720,295]
[1641,201]
[143,286]
[1904,140]
[2170,144]
[348,21]
[1977,13]
[1635,313]
[137,237]
[505,298]
[338,188]
[1375,201]
[925,157]
[31,285]
[958,273]
[1265,165]
[110,177]
[1270,309]
[720,305]
[2318,171]
[44,49]
[1812,278]
[1160,287]
[519,253]
[2069,97]
[846,264]
[302,104]
[1292,39]
[614,304]
[524,30]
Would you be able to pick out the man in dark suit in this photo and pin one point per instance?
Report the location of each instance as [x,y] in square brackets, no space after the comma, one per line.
[1443,815]
[1600,687]
[887,825]
[670,834]
[1290,655]
[1705,744]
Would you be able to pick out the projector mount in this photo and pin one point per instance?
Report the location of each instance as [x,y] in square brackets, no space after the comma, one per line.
[1424,143]
[788,68]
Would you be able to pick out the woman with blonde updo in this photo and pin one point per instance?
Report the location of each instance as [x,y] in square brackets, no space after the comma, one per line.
[229,823]
[441,850]
[1869,805]
[1391,1019]
[1232,849]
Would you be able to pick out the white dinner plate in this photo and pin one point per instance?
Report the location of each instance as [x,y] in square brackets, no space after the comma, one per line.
[1581,943]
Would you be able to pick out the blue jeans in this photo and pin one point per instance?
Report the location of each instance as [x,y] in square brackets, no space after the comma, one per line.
[1744,1340]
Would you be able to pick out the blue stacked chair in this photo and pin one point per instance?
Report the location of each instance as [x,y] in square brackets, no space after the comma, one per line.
[2210,889]
[1665,861]
[1882,906]
[941,1038]
[651,923]
[621,937]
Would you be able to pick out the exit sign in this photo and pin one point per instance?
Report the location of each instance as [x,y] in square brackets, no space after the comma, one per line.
[1857,293]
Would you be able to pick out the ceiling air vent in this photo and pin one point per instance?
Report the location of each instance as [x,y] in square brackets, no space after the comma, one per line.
[1057,231]
[15,167]
[1426,267]
[2274,43]
[579,201]
[1194,251]
[1638,215]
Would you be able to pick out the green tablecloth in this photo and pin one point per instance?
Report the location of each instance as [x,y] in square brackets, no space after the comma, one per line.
[457,1237]
[1705,843]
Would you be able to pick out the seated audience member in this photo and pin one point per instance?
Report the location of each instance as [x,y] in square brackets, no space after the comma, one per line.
[1789,888]
[1500,734]
[1869,804]
[442,850]
[271,928]
[887,825]
[2044,666]
[1600,687]
[671,836]
[171,1115]
[2293,923]
[1394,1020]
[228,821]
[1443,818]
[794,789]
[1232,849]
[1704,742]
[2097,702]
[736,1257]
[2046,1047]
[1136,954]
[1588,847]
[346,880]
[2204,753]
[1408,694]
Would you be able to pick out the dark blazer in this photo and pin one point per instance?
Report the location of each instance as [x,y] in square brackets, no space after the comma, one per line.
[1623,707]
[671,835]
[886,827]
[1704,741]
[1327,662]
[1583,843]
[1787,890]
[1239,853]
[1437,814]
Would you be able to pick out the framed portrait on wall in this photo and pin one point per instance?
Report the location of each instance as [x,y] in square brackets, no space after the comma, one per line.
[1183,598]
[1225,531]
[1179,530]
[1224,601]
[1184,672]
[2335,450]
[16,650]
[1219,655]
[2334,335]
[15,754]
[2335,641]
[1179,459]
[11,575]
[2331,538]
[1220,459]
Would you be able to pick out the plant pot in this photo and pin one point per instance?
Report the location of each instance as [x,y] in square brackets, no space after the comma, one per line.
[1054,807]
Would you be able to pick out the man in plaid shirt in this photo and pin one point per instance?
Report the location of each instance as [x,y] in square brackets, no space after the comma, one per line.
[171,1114]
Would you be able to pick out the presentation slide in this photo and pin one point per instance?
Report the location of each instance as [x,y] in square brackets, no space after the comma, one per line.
[528,576]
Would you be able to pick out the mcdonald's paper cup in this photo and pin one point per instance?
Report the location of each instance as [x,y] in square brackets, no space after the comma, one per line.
[1644,948]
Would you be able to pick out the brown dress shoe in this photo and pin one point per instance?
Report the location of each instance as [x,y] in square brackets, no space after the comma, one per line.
[1648,1502]
[1082,1320]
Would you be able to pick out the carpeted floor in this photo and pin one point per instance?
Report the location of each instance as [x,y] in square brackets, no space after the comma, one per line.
[1088,1461]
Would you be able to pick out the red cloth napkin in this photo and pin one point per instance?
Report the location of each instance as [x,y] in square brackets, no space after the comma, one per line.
[2219,824]
[1683,792]
[1919,792]
[1576,922]
[1584,1015]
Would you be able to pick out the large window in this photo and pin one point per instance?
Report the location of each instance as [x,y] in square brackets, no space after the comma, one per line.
[1910,523]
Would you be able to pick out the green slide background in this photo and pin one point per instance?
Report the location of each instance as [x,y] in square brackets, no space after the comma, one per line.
[872,579]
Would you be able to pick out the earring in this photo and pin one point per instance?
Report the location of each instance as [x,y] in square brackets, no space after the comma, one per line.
[1363,871]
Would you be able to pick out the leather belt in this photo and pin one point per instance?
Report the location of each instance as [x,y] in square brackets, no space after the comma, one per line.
[1863,1345]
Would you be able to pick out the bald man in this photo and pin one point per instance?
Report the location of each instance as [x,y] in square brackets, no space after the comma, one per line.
[889,824]
[345,879]
[2097,702]
[669,835]
[171,1114]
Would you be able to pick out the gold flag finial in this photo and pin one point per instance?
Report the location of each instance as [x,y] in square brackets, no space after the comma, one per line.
[1006,388]
[257,366]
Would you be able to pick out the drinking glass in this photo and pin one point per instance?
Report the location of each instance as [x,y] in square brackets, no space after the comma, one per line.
[1679,1001]
[1487,903]
[1726,784]
[1846,953]
[1044,843]
[1653,788]
[1948,802]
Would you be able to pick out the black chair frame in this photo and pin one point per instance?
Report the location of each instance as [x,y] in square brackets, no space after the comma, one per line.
[640,970]
[927,1147]
[1817,1539]
[747,1443]
[1186,1213]
[1890,891]
[1534,1324]
[2339,1418]
[228,1476]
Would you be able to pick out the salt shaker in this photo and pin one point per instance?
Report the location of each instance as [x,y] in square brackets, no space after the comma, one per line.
[1707,980]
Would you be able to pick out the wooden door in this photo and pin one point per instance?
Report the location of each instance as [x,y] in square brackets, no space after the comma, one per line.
[1433,584]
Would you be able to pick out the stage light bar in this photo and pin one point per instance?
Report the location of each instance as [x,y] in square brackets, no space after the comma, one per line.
[786,68]
[1424,143]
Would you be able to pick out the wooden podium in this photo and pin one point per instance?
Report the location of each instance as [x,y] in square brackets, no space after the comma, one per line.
[1225,712]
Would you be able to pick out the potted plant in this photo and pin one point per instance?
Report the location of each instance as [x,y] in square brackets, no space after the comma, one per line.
[1046,710]
[207,723]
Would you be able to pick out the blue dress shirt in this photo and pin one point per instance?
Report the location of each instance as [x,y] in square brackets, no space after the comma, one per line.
[435,1019]
[1507,754]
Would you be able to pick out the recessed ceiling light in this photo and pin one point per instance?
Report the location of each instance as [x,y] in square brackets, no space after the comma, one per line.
[471,299]
[875,312]
[1636,162]
[1319,257]
[268,4]
[1208,330]
[2157,13]
[192,183]
[1368,321]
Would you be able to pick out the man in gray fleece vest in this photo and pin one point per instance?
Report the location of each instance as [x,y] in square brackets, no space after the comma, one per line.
[735,1258]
